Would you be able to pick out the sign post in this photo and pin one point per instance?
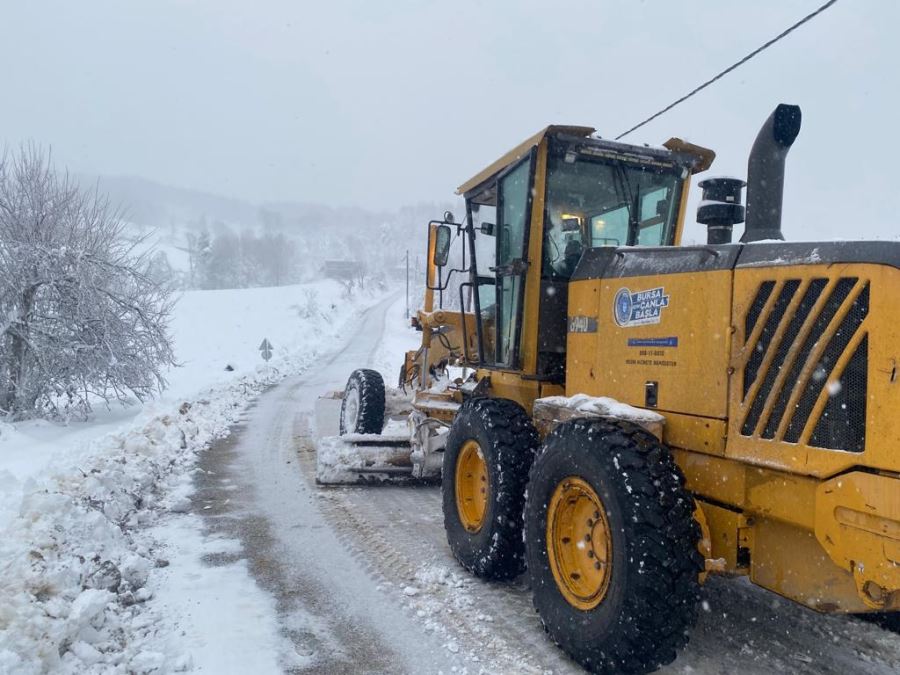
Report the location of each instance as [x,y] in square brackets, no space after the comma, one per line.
[265,350]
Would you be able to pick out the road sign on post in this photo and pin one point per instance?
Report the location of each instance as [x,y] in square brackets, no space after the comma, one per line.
[265,349]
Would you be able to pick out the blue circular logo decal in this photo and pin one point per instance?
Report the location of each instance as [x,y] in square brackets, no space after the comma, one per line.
[622,307]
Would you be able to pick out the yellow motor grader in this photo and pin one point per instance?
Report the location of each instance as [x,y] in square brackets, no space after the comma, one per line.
[620,415]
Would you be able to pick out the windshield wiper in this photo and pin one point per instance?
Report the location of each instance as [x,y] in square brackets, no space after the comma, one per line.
[634,222]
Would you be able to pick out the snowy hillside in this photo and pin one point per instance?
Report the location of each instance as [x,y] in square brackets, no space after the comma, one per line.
[185,230]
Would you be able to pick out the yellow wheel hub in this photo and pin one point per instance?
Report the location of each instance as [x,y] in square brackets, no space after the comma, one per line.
[579,543]
[472,486]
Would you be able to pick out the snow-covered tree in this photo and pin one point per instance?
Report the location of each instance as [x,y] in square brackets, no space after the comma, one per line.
[223,269]
[81,318]
[278,257]
[159,269]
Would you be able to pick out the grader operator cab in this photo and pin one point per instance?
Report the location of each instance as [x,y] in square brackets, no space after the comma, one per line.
[621,415]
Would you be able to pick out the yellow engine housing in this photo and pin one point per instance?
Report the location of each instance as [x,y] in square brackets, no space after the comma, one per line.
[775,366]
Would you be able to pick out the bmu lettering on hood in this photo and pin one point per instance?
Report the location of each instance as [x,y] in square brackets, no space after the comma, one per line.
[640,308]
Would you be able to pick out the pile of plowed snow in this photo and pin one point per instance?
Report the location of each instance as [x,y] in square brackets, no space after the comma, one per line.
[77,558]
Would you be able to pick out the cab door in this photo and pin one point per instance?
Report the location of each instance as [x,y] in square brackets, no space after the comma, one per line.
[513,216]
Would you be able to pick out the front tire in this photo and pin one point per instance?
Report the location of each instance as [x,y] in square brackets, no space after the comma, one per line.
[489,451]
[362,408]
[612,546]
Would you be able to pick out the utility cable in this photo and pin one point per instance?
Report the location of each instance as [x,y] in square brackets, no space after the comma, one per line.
[734,66]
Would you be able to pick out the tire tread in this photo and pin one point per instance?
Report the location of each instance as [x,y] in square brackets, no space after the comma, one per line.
[371,402]
[661,608]
[514,443]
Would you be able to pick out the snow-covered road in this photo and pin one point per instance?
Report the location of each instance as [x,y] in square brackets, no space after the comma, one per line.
[329,606]
[361,579]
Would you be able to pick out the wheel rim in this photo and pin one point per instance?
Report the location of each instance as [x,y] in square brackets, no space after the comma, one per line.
[579,543]
[351,410]
[472,486]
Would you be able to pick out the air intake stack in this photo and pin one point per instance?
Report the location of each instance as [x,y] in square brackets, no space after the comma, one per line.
[765,173]
[721,208]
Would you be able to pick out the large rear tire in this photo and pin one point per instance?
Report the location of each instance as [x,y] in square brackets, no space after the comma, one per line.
[362,408]
[612,546]
[489,451]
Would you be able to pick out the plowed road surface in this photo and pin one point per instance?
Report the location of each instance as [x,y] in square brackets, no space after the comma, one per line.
[365,583]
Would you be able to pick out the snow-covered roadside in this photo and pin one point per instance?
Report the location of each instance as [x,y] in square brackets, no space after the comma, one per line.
[78,558]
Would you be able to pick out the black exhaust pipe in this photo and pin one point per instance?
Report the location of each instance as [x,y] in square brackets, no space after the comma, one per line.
[765,173]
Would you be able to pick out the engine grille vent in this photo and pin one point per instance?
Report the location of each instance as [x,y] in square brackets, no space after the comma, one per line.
[762,344]
[842,425]
[798,364]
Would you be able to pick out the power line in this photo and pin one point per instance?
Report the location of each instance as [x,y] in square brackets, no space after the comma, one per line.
[744,60]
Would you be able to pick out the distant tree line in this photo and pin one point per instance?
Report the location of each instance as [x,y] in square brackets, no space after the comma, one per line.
[248,259]
[204,241]
[227,259]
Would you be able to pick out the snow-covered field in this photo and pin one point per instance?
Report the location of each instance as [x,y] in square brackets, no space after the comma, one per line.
[84,507]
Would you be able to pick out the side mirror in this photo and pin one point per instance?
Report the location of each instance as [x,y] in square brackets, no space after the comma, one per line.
[442,236]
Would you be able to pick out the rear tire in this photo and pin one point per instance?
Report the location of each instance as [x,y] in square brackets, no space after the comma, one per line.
[633,613]
[362,408]
[491,446]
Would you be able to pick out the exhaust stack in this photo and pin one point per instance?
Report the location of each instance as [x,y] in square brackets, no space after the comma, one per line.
[765,173]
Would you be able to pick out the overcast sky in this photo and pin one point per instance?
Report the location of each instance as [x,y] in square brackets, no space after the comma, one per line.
[379,104]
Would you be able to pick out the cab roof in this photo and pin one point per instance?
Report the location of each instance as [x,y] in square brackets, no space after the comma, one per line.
[703,156]
[519,152]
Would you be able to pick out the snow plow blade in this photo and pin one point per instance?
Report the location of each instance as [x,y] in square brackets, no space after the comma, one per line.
[407,449]
[363,459]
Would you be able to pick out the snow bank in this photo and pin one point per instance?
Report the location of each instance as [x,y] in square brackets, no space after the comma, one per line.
[76,560]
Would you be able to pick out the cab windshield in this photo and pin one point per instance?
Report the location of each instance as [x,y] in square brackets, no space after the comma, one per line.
[598,199]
